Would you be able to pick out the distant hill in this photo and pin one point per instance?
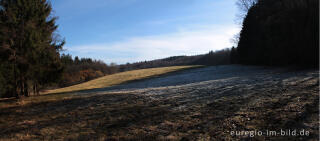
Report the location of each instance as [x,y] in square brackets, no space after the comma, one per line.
[78,70]
[221,57]
[170,61]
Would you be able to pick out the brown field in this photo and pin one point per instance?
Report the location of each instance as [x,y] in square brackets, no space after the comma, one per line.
[198,104]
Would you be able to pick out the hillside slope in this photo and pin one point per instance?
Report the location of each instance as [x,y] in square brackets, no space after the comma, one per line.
[118,78]
[199,104]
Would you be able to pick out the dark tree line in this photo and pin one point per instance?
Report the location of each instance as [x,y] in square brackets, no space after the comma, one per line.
[29,47]
[170,61]
[280,32]
[78,70]
[220,57]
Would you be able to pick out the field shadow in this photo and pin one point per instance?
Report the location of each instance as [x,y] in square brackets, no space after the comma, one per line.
[209,73]
[84,118]
[258,98]
[187,76]
[132,81]
[183,77]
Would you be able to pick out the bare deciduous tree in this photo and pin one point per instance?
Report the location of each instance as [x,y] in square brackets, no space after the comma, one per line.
[243,6]
[235,39]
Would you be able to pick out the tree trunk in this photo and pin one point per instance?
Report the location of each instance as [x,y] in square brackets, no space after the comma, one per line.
[16,93]
[26,89]
[34,88]
[21,86]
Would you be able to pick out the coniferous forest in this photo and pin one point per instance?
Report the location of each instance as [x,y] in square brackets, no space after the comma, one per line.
[29,47]
[280,32]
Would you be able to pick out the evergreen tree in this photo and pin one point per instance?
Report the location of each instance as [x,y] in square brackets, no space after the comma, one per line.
[30,46]
[281,32]
[233,56]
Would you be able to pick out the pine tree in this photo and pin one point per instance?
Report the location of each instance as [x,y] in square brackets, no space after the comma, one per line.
[30,45]
[281,32]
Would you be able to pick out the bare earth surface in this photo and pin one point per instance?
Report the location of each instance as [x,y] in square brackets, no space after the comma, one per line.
[207,103]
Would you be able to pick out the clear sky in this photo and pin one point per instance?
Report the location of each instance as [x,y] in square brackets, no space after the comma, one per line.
[123,31]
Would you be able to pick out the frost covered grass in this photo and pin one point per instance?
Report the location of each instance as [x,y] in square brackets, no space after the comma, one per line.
[198,104]
[119,78]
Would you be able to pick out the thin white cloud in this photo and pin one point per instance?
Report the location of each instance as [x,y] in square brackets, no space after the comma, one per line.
[185,42]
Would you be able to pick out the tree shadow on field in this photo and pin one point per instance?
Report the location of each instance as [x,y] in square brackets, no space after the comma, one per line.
[186,77]
[253,100]
[91,118]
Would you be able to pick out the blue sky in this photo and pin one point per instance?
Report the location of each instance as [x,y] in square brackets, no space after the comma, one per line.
[123,31]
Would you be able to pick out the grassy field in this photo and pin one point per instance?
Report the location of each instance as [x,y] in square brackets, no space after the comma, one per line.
[119,78]
[102,82]
[230,98]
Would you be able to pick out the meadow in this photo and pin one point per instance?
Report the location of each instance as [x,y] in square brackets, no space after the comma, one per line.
[197,107]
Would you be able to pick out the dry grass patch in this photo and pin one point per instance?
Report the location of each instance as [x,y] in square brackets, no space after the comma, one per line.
[119,78]
[106,81]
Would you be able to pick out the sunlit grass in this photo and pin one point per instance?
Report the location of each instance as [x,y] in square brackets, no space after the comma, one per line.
[119,78]
[102,82]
